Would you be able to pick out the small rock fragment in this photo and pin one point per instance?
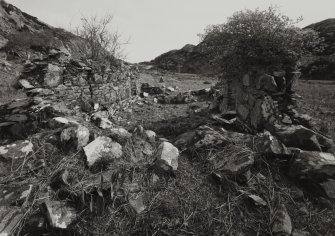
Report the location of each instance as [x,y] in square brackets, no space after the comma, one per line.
[59,214]
[257,200]
[150,136]
[282,224]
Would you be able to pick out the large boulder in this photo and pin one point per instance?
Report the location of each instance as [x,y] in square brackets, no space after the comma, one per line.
[315,166]
[168,153]
[102,148]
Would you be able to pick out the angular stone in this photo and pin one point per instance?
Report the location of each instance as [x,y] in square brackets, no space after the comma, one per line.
[204,137]
[53,76]
[298,136]
[25,84]
[257,200]
[58,122]
[59,215]
[103,123]
[16,150]
[150,135]
[102,147]
[315,166]
[10,218]
[233,161]
[268,83]
[329,188]
[169,153]
[282,224]
[75,137]
[120,135]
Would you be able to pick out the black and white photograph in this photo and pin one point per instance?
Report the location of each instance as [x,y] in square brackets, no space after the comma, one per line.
[167,118]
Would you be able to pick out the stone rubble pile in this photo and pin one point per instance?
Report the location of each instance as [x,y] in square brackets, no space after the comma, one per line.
[101,148]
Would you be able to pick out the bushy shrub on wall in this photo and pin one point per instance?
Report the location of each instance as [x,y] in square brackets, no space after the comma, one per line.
[264,39]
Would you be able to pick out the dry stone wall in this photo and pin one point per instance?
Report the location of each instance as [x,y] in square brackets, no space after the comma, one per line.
[73,81]
[263,100]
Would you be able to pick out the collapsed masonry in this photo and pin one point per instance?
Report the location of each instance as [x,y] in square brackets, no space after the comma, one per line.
[72,80]
[58,84]
[268,102]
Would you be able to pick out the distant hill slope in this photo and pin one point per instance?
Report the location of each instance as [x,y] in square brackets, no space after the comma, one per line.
[188,59]
[16,23]
[322,66]
[193,59]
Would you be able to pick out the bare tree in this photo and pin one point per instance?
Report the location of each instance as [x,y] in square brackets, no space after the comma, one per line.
[101,42]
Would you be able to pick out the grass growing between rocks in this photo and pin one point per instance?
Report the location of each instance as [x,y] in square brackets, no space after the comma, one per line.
[194,203]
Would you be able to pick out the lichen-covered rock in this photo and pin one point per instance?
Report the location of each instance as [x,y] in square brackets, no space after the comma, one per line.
[59,215]
[16,150]
[102,147]
[169,153]
[315,166]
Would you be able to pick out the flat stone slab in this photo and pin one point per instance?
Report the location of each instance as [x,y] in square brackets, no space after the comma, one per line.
[16,150]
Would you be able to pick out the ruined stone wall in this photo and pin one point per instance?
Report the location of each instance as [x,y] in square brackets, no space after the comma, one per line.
[104,89]
[72,81]
[263,100]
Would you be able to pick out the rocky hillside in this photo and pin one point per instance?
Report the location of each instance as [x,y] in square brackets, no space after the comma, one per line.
[322,66]
[20,31]
[193,59]
[188,59]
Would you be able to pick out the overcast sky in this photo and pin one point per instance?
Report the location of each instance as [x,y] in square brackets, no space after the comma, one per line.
[157,26]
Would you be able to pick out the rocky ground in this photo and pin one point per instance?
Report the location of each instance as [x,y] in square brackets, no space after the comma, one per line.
[164,163]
